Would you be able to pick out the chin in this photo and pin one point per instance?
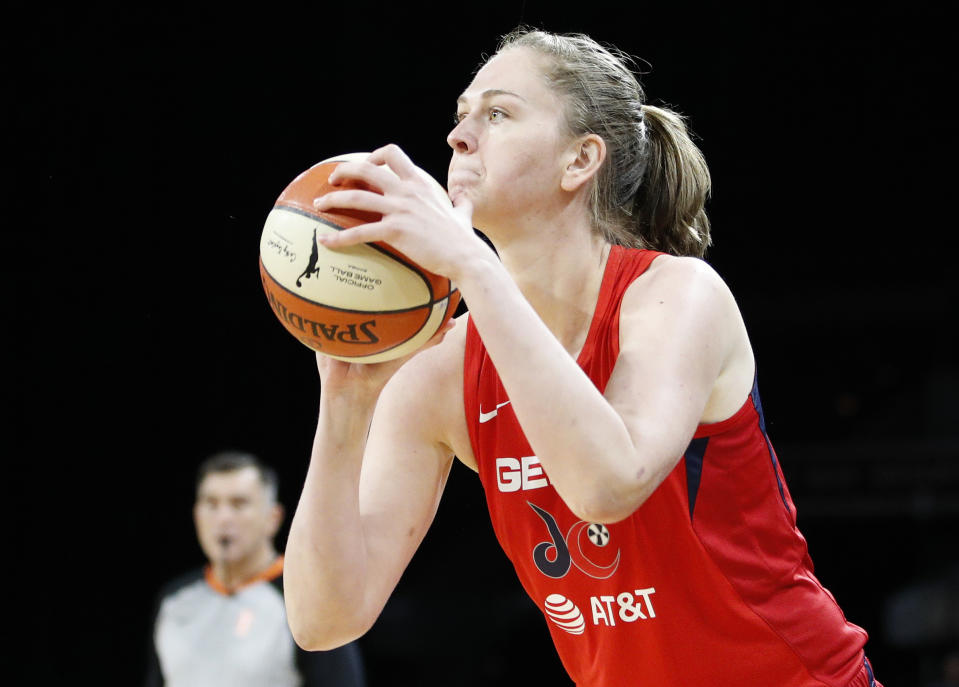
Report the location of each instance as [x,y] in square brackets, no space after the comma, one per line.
[459,192]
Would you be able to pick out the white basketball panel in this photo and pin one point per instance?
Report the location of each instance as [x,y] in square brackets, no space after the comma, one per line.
[356,278]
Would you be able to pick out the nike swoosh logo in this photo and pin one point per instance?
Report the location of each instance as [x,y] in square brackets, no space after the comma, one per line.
[486,417]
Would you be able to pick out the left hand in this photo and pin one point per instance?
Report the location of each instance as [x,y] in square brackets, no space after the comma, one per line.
[418,217]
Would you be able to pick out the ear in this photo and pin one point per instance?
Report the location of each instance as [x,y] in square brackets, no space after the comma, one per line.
[586,155]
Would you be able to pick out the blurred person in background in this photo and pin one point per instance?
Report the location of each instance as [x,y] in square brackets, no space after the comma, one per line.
[225,624]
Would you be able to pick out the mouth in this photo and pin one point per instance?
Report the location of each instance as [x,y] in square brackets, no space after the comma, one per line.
[460,180]
[462,174]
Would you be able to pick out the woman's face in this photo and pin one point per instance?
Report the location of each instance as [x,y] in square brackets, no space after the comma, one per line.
[508,143]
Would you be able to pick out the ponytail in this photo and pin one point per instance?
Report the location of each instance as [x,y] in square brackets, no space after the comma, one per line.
[668,208]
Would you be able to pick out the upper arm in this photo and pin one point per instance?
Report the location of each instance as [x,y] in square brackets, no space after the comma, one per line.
[684,359]
[407,462]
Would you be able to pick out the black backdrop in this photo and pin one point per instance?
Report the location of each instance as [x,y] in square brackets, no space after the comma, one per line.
[149,142]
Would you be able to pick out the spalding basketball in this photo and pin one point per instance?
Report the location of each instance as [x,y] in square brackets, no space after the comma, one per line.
[366,303]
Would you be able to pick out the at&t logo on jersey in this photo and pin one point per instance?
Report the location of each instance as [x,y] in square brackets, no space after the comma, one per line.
[628,607]
[564,614]
[606,609]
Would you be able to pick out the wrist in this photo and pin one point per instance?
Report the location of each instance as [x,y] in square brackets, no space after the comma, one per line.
[478,271]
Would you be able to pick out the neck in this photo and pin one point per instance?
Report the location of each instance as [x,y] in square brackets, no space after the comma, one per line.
[560,274]
[233,574]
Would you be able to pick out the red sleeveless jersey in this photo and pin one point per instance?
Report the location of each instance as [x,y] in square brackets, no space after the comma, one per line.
[708,583]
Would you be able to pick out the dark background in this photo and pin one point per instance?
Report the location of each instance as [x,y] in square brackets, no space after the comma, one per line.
[148,143]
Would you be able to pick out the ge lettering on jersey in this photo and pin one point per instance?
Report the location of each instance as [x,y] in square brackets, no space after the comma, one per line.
[520,474]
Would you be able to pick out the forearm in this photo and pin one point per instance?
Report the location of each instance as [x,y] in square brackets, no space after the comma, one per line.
[580,439]
[326,555]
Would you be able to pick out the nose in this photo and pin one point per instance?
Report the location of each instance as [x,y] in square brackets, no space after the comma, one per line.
[461,139]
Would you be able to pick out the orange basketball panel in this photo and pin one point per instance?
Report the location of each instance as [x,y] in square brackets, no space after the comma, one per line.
[342,332]
[314,183]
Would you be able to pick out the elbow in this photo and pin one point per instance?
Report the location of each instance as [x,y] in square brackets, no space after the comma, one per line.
[315,630]
[324,636]
[613,494]
[611,501]
[309,639]
[604,511]
[610,489]
[321,618]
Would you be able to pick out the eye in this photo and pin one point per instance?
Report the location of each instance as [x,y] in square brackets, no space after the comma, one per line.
[458,117]
[496,115]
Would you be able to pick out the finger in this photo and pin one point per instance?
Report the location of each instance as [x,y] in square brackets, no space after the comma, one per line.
[434,340]
[396,159]
[326,366]
[322,363]
[344,238]
[438,337]
[377,176]
[449,326]
[353,199]
[436,186]
[463,205]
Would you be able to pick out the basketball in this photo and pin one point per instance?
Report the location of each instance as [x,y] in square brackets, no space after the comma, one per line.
[366,303]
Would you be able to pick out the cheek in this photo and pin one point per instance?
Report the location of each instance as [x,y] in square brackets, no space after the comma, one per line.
[527,175]
[254,525]
[206,536]
[202,523]
[533,159]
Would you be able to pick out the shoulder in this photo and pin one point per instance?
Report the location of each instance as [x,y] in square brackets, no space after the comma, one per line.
[679,286]
[179,593]
[681,306]
[191,578]
[681,314]
[678,274]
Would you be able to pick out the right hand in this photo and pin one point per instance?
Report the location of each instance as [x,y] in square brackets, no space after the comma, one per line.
[366,380]
[418,218]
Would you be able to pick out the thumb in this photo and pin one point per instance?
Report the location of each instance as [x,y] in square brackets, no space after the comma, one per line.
[463,206]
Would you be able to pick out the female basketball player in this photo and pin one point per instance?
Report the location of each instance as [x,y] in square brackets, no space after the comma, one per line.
[602,385]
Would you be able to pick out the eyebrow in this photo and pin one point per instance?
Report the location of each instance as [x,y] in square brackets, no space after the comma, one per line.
[489,93]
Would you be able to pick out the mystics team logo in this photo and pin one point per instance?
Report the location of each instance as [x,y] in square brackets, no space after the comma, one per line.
[585,545]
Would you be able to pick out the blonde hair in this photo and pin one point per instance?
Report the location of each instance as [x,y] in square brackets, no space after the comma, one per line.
[653,185]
